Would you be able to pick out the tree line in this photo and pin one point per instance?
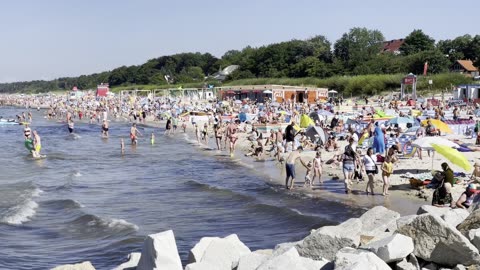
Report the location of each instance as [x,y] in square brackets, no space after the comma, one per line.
[357,52]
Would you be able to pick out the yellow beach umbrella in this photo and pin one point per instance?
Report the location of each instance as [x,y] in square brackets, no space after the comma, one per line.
[416,113]
[453,156]
[439,125]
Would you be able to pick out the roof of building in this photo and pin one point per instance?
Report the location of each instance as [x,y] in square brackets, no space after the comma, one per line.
[392,45]
[467,65]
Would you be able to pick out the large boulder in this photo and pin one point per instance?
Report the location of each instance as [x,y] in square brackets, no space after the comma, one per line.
[439,242]
[326,241]
[393,248]
[196,253]
[160,252]
[251,261]
[131,263]
[470,223]
[203,266]
[405,220]
[433,210]
[377,220]
[455,216]
[405,265]
[79,266]
[474,237]
[222,253]
[289,260]
[356,259]
[451,216]
[283,247]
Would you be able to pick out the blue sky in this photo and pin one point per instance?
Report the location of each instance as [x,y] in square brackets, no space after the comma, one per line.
[46,39]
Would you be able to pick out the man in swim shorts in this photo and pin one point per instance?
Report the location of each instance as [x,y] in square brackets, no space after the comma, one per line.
[290,166]
[105,128]
[134,133]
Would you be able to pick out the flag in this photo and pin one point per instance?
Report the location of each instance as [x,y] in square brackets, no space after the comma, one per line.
[425,68]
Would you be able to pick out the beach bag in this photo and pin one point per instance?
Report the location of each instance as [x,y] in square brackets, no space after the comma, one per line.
[376,166]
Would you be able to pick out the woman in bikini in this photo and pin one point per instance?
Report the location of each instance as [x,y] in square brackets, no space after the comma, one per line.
[218,135]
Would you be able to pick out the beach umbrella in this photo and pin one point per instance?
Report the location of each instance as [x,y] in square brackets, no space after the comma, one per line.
[453,156]
[238,101]
[400,120]
[324,113]
[426,143]
[439,125]
[267,92]
[412,129]
[315,133]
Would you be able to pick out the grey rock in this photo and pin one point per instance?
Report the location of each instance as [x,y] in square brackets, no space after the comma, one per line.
[203,266]
[196,253]
[378,220]
[430,209]
[439,242]
[470,223]
[460,267]
[430,266]
[474,237]
[290,260]
[159,251]
[326,241]
[132,262]
[251,261]
[393,248]
[355,259]
[283,247]
[405,220]
[225,252]
[78,266]
[405,265]
[455,216]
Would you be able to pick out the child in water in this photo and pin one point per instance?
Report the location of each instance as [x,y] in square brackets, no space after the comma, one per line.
[308,175]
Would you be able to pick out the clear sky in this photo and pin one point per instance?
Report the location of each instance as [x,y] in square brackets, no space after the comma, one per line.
[46,39]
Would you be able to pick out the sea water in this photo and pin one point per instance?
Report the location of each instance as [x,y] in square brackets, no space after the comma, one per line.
[87,201]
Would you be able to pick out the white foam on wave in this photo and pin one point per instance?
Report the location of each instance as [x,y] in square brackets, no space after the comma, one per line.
[77,174]
[23,212]
[113,223]
[20,213]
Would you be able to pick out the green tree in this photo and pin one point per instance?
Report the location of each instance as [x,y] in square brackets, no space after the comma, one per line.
[357,46]
[417,42]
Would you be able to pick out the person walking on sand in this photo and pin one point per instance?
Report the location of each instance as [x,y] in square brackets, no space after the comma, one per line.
[387,170]
[349,158]
[232,136]
[290,166]
[134,133]
[371,169]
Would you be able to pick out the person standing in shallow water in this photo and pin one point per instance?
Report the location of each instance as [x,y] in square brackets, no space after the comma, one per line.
[349,158]
[290,166]
[134,133]
[105,128]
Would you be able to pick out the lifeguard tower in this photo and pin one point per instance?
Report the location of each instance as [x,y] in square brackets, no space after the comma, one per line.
[409,80]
